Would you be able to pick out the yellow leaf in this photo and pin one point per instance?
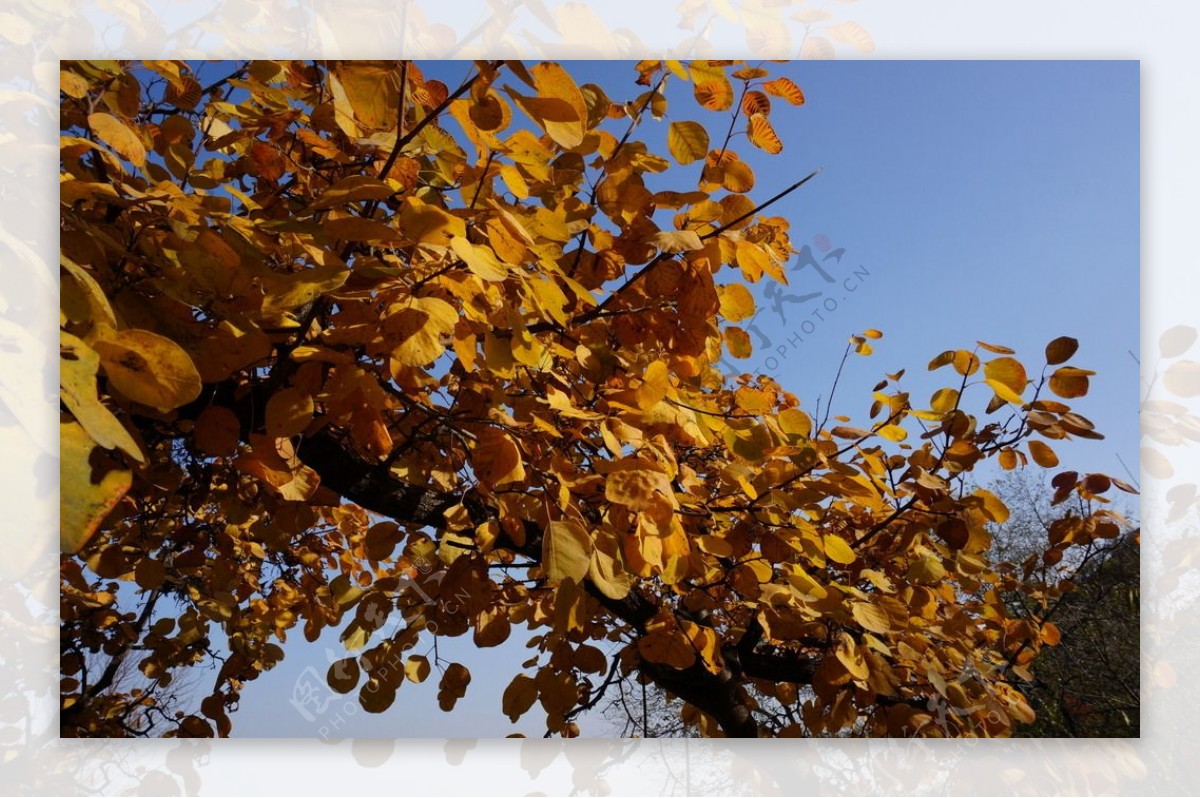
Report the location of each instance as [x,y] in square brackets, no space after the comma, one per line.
[549,298]
[762,135]
[83,299]
[945,400]
[965,363]
[738,342]
[736,302]
[1050,634]
[785,88]
[566,551]
[147,367]
[795,422]
[607,570]
[705,642]
[892,432]
[711,86]
[687,141]
[805,585]
[716,546]
[492,627]
[993,508]
[638,488]
[480,260]
[149,573]
[419,326]
[926,570]
[999,350]
[1005,393]
[677,241]
[428,224]
[849,655]
[72,85]
[416,669]
[667,646]
[118,135]
[559,108]
[91,486]
[838,550]
[941,360]
[870,617]
[1007,371]
[366,93]
[496,458]
[354,188]
[78,366]
[227,349]
[752,260]
[293,290]
[738,177]
[654,385]
[288,412]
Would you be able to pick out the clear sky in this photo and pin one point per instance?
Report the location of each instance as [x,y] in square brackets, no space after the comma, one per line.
[974,200]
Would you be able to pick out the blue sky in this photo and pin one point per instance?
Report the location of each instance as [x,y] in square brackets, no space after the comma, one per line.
[974,200]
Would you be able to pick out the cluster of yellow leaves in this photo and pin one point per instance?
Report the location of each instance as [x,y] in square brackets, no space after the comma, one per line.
[468,291]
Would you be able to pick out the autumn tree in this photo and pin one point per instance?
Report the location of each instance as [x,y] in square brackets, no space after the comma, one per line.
[345,346]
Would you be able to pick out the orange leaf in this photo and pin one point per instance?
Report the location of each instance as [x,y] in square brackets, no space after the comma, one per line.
[755,102]
[785,88]
[762,135]
[496,458]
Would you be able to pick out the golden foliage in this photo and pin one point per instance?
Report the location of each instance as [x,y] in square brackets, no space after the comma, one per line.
[345,346]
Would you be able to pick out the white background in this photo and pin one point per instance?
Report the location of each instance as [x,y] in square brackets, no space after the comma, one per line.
[34,35]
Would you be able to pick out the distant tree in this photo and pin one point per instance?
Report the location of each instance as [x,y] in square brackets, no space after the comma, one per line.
[345,346]
[1089,684]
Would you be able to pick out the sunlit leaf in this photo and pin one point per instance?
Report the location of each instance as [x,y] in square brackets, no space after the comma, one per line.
[288,412]
[838,550]
[566,551]
[118,135]
[78,367]
[496,458]
[91,487]
[785,88]
[148,368]
[687,141]
[762,135]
